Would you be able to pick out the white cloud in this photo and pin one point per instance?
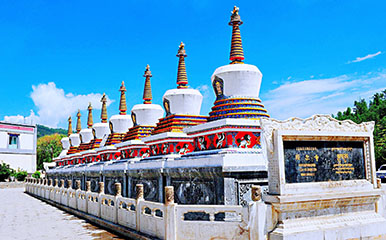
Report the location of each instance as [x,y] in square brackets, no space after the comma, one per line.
[54,105]
[321,96]
[360,59]
[31,119]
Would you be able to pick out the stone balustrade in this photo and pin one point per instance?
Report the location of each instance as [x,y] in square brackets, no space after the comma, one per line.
[166,220]
[161,220]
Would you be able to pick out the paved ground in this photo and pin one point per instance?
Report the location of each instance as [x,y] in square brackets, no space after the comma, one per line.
[11,185]
[25,217]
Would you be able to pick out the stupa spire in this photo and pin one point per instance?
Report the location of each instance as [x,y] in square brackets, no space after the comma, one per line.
[122,103]
[182,79]
[237,53]
[104,109]
[147,96]
[78,124]
[89,118]
[69,131]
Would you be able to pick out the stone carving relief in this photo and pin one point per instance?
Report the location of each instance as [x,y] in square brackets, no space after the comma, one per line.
[194,191]
[244,193]
[322,123]
[150,188]
[110,184]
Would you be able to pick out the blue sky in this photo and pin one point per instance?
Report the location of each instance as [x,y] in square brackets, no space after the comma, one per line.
[316,56]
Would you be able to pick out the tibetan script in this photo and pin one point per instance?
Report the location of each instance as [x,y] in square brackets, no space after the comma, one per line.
[319,161]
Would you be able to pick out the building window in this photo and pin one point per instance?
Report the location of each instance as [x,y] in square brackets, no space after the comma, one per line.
[13,141]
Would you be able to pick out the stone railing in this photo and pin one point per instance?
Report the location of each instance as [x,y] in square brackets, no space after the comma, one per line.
[168,220]
[161,220]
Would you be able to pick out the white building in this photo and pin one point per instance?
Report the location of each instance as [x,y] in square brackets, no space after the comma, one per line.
[18,145]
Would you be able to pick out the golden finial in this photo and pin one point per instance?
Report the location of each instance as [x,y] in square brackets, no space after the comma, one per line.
[181,50]
[235,17]
[237,53]
[147,96]
[182,79]
[104,109]
[89,118]
[122,103]
[78,124]
[69,132]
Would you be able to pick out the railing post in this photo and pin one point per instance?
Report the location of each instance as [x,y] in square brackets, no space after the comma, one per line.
[138,210]
[257,215]
[77,185]
[45,187]
[101,191]
[118,189]
[27,184]
[170,215]
[139,191]
[101,187]
[40,189]
[88,186]
[35,186]
[56,183]
[379,183]
[118,194]
[256,193]
[69,184]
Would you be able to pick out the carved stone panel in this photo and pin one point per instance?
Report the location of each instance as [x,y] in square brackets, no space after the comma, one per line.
[320,161]
[195,191]
[94,183]
[110,184]
[150,186]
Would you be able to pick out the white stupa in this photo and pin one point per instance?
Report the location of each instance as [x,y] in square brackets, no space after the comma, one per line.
[86,134]
[182,100]
[101,130]
[144,116]
[237,85]
[120,123]
[74,137]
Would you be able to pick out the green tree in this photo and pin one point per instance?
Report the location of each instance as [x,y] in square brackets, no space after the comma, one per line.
[48,147]
[5,171]
[36,174]
[21,175]
[374,111]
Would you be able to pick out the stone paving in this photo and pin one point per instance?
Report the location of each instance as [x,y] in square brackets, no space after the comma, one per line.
[25,217]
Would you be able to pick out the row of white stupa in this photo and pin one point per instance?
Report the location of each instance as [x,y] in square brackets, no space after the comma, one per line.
[238,81]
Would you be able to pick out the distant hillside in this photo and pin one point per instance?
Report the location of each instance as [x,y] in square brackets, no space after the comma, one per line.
[43,131]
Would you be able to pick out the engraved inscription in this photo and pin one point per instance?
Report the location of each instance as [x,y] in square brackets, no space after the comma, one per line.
[319,161]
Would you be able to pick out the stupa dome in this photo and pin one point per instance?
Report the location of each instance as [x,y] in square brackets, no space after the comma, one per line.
[237,80]
[100,130]
[183,101]
[146,114]
[120,123]
[65,143]
[86,135]
[75,139]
